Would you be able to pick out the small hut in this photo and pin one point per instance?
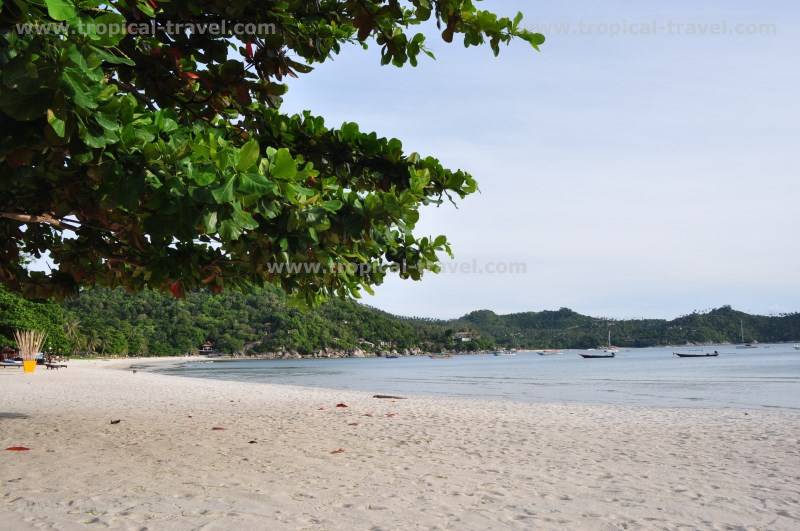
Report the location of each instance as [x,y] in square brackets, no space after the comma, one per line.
[8,354]
[207,348]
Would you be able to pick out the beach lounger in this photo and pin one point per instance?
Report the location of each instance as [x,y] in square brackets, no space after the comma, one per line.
[5,364]
[55,365]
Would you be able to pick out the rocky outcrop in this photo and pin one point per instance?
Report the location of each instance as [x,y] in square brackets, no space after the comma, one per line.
[332,353]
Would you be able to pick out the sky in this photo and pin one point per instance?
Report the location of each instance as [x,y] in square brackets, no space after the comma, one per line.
[644,164]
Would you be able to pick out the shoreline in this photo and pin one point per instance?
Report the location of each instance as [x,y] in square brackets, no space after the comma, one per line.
[665,402]
[429,463]
[333,354]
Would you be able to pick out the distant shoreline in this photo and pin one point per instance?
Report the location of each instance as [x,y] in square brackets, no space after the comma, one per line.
[366,355]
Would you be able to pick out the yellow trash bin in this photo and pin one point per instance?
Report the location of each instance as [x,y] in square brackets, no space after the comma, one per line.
[29,365]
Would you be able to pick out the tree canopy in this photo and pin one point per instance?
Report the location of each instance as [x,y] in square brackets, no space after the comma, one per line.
[157,158]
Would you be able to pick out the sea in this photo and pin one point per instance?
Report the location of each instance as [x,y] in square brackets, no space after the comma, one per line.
[767,376]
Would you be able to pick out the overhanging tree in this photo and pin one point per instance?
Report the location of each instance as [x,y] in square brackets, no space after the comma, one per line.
[163,159]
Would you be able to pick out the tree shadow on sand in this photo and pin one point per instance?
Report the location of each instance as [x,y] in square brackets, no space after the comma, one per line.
[9,415]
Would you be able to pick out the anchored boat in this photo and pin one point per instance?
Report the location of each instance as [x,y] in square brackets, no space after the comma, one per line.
[745,345]
[605,354]
[692,355]
[608,352]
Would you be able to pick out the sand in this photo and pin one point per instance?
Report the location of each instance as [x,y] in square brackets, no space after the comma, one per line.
[422,463]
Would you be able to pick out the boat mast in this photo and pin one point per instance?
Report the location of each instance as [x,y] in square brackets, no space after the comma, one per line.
[741,325]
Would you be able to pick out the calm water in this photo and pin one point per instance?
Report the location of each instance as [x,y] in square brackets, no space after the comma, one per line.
[768,376]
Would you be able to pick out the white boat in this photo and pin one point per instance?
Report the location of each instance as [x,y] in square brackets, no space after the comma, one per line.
[797,347]
[610,349]
[745,345]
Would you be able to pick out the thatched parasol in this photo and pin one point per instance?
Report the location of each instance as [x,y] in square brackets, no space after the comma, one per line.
[29,342]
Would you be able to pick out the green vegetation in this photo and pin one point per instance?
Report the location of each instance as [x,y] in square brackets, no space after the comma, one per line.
[162,159]
[567,329]
[103,321]
[18,313]
[260,321]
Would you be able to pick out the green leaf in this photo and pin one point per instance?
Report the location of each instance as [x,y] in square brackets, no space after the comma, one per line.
[204,178]
[229,230]
[348,131]
[367,288]
[106,122]
[79,89]
[164,123]
[283,166]
[114,29]
[60,9]
[77,58]
[248,155]
[224,192]
[210,222]
[333,205]
[136,135]
[111,58]
[56,123]
[146,8]
[534,39]
[254,183]
[95,141]
[244,219]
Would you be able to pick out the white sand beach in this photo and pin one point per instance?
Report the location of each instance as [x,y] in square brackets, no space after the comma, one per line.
[421,463]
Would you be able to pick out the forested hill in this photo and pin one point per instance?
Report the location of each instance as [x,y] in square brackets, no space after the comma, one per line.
[112,322]
[565,328]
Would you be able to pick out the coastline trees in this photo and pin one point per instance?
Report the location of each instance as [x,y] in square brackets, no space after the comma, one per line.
[102,321]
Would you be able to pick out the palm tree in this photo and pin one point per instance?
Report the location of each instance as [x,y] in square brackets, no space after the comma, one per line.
[72,329]
[91,343]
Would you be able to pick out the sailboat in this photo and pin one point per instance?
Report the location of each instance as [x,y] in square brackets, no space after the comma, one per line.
[609,349]
[608,352]
[745,345]
[797,347]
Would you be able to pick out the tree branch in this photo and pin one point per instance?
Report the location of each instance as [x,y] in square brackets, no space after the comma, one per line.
[43,218]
